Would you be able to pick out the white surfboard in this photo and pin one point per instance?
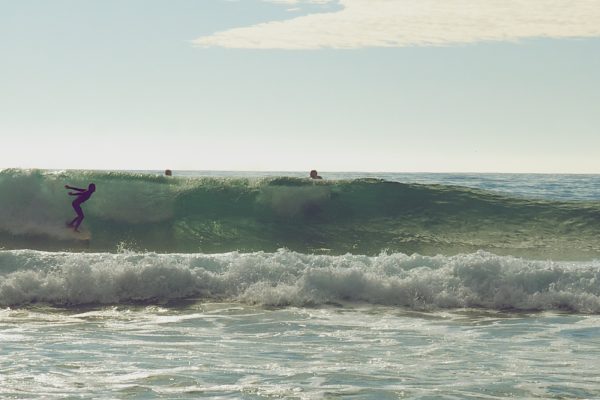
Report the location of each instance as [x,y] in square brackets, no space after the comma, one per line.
[83,234]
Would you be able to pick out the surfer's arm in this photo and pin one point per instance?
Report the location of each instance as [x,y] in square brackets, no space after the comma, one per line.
[74,188]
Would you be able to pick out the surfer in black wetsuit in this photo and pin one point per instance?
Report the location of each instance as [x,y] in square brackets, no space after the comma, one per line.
[82,195]
[314,174]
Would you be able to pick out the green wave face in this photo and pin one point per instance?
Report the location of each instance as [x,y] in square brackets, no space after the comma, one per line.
[156,213]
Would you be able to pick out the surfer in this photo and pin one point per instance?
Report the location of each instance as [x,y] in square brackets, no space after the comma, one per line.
[314,174]
[82,196]
[168,172]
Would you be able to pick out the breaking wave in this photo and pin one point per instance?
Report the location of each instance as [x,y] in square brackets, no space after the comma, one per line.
[286,278]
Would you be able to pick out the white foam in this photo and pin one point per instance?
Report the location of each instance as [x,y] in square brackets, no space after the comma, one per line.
[287,278]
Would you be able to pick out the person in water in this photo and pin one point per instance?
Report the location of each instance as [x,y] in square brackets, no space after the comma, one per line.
[82,196]
[168,172]
[314,174]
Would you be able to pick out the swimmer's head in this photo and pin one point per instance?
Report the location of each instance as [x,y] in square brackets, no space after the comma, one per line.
[92,187]
[168,172]
[313,173]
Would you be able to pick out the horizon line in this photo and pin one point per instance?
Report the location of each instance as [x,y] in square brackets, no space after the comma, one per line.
[301,171]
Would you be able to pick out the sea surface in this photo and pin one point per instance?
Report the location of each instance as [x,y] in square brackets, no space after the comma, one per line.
[254,285]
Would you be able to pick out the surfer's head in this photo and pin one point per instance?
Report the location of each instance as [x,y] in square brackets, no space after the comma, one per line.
[92,187]
[314,174]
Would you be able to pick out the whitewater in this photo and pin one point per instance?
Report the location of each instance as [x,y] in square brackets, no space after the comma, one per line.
[270,285]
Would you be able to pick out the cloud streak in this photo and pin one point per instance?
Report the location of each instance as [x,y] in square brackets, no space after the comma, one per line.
[401,23]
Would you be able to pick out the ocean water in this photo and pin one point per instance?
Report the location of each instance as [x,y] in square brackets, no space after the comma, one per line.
[269,285]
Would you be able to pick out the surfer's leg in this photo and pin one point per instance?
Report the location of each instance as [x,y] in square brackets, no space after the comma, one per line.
[79,221]
[79,218]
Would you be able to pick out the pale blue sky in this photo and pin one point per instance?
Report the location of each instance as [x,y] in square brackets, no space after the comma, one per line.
[118,84]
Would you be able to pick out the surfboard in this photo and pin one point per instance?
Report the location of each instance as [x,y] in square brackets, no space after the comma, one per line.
[83,234]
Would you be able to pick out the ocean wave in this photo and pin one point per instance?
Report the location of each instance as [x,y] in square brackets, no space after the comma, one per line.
[287,278]
[361,216]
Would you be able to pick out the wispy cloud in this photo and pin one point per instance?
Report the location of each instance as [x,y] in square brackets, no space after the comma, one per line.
[299,1]
[399,23]
[295,3]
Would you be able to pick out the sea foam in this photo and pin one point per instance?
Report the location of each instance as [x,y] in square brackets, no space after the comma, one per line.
[287,278]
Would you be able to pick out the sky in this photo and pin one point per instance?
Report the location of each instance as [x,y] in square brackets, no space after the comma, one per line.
[294,85]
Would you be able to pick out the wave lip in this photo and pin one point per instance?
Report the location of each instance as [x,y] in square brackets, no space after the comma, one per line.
[286,278]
